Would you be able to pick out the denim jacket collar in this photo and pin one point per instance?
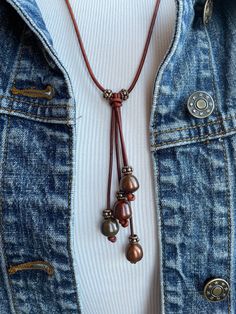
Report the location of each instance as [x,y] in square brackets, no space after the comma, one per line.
[30,13]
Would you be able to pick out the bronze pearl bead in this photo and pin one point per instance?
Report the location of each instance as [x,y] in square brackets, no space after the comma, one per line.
[134,252]
[129,183]
[110,227]
[122,210]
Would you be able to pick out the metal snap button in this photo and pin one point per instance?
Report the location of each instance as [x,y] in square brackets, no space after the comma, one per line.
[200,104]
[207,11]
[216,289]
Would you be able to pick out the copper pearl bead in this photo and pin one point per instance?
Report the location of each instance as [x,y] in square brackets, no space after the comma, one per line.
[134,252]
[122,211]
[129,183]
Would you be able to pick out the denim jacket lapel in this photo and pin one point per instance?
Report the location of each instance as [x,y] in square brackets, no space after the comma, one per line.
[30,12]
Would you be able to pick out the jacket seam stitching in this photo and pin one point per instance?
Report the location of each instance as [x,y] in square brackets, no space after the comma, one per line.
[1,206]
[35,104]
[37,116]
[162,239]
[194,138]
[229,222]
[229,117]
[69,218]
[210,56]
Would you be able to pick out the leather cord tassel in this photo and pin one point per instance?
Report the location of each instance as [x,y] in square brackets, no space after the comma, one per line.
[128,183]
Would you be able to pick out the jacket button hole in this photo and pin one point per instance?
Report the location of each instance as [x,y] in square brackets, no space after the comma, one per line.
[41,265]
[48,92]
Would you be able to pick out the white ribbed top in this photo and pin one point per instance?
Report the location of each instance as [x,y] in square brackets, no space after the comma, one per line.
[114,33]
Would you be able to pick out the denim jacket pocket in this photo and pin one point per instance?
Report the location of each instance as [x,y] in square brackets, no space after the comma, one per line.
[195,131]
[27,107]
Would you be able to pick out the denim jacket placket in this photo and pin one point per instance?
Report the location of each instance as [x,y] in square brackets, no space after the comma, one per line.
[194,161]
[193,165]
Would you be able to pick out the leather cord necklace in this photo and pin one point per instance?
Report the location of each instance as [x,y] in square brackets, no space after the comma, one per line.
[128,183]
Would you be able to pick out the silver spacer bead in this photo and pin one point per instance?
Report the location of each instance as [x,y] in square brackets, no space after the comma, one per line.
[127,169]
[124,94]
[107,213]
[120,195]
[133,238]
[107,93]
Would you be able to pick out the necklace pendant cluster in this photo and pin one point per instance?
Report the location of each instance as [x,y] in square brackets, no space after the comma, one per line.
[121,212]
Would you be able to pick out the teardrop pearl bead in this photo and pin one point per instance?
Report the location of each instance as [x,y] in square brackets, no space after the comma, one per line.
[129,183]
[122,210]
[110,227]
[134,252]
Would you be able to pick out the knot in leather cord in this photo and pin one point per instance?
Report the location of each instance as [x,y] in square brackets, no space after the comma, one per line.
[116,100]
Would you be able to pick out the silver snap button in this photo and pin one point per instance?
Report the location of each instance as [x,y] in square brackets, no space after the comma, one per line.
[216,289]
[207,12]
[200,104]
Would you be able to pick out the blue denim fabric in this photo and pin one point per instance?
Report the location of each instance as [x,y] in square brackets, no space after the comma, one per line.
[36,144]
[194,161]
[194,164]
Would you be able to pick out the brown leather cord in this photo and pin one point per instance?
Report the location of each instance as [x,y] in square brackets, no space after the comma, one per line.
[116,101]
[112,129]
[144,50]
[117,153]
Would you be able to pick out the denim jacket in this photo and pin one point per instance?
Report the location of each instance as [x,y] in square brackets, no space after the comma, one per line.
[194,164]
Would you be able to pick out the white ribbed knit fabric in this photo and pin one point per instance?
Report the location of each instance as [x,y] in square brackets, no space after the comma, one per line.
[114,33]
